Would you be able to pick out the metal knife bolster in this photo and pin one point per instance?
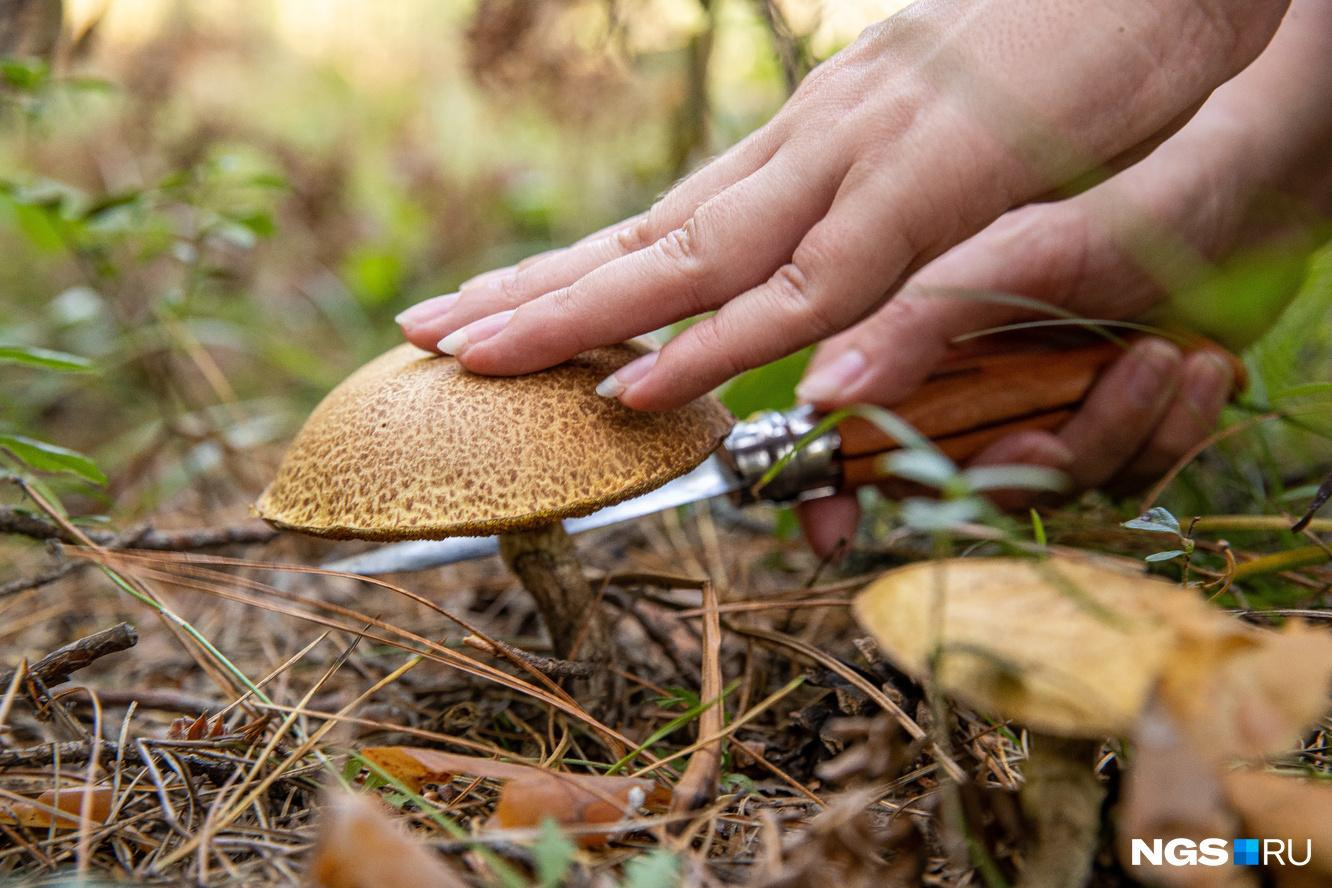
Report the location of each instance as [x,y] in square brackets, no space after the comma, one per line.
[757,444]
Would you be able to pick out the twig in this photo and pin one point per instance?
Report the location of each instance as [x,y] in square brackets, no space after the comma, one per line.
[552,666]
[1221,523]
[23,584]
[698,785]
[73,752]
[21,523]
[1320,498]
[1304,556]
[57,666]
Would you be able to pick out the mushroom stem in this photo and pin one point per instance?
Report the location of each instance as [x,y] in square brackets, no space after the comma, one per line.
[547,565]
[1062,800]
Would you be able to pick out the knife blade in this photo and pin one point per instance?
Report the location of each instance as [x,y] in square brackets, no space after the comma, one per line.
[711,478]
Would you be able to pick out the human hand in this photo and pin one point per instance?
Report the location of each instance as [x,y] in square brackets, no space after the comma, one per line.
[1263,134]
[916,137]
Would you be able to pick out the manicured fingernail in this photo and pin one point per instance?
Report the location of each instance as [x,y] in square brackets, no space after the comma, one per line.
[618,382]
[427,310]
[1153,362]
[1210,378]
[474,332]
[830,380]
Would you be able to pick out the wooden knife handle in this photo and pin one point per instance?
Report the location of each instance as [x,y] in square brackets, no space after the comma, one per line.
[973,401]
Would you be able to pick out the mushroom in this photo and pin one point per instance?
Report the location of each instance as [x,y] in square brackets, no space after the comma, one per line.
[412,446]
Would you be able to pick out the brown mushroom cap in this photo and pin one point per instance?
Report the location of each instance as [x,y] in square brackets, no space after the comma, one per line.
[411,446]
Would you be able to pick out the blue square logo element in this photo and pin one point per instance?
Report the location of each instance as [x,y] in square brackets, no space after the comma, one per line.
[1246,852]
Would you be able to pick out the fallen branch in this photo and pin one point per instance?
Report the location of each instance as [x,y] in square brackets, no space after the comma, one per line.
[552,666]
[23,584]
[21,523]
[57,666]
[73,752]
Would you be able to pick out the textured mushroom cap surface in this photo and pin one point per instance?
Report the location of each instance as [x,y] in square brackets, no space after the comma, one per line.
[412,446]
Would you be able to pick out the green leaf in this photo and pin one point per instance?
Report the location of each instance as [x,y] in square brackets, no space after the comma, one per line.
[928,514]
[553,854]
[46,457]
[24,73]
[1038,528]
[1016,477]
[770,387]
[1166,555]
[922,466]
[656,869]
[32,356]
[1156,520]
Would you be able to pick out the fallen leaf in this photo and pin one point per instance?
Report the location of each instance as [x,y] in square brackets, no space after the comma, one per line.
[361,846]
[575,800]
[1171,792]
[529,794]
[416,766]
[1275,806]
[70,801]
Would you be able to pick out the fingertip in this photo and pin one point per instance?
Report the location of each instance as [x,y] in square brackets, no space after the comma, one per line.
[1151,377]
[829,522]
[1034,448]
[828,383]
[1208,381]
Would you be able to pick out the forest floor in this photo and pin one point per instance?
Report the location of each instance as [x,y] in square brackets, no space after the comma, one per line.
[822,762]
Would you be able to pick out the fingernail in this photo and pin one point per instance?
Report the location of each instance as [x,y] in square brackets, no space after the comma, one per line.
[1210,377]
[474,332]
[833,378]
[618,382]
[427,310]
[1153,362]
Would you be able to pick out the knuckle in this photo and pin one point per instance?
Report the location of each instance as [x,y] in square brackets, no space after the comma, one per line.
[798,298]
[513,287]
[636,236]
[680,249]
[711,338]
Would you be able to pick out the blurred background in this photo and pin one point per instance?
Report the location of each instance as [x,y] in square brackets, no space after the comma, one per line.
[222,204]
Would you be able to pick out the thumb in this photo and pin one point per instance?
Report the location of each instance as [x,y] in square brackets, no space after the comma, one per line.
[829,522]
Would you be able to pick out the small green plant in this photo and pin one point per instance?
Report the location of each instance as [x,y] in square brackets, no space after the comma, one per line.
[553,855]
[29,459]
[1160,520]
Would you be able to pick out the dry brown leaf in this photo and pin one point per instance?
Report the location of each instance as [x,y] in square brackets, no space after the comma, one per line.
[529,794]
[361,846]
[69,801]
[1288,808]
[1171,792]
[575,800]
[1067,646]
[416,766]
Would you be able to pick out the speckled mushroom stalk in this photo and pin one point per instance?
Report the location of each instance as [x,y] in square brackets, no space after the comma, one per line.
[545,561]
[411,446]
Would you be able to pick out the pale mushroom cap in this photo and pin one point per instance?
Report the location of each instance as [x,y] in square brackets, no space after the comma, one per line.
[411,446]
